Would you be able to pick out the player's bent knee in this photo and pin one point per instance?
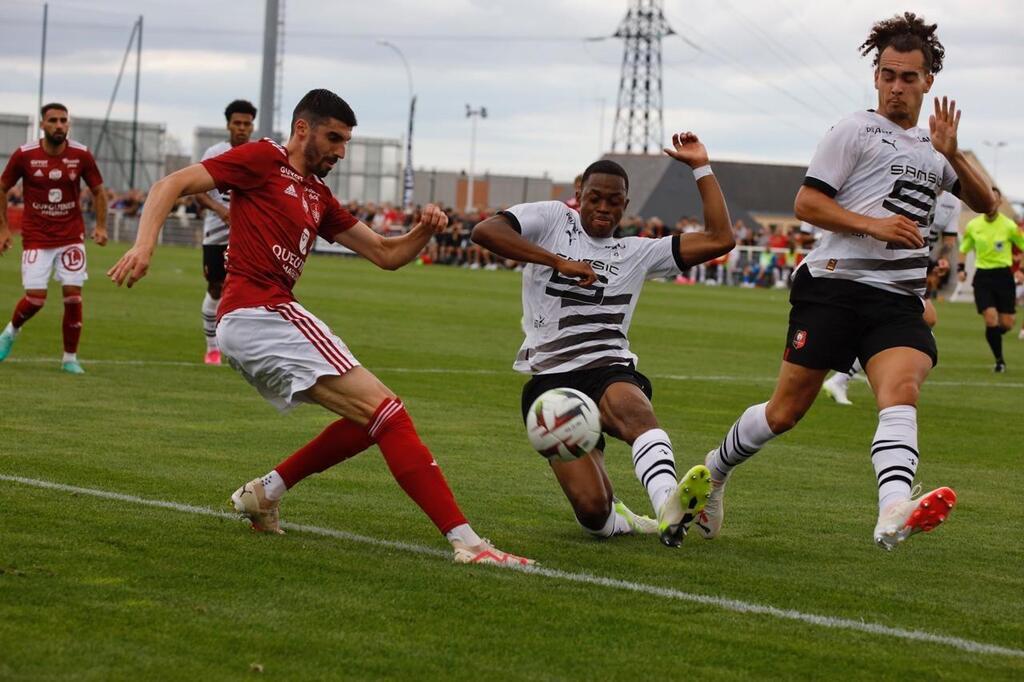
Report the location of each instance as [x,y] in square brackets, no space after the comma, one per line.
[784,418]
[592,511]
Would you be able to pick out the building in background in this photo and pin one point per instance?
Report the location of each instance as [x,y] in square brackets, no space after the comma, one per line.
[112,148]
[448,188]
[14,132]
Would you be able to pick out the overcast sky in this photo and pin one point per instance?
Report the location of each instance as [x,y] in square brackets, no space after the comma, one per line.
[756,80]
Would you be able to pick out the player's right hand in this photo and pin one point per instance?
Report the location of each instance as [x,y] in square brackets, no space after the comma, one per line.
[132,267]
[898,230]
[5,240]
[577,270]
[433,219]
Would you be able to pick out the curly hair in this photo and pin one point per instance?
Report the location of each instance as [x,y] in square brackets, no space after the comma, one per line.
[905,34]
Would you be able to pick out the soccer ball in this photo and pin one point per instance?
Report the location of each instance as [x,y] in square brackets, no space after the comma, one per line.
[563,424]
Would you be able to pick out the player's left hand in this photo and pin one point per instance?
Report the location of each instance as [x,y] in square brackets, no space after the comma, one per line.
[132,267]
[433,219]
[943,125]
[5,240]
[100,236]
[686,147]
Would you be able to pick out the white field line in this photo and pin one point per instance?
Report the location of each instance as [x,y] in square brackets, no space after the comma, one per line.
[734,605]
[714,378]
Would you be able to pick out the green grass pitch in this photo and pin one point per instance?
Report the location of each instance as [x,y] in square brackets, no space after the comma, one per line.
[107,589]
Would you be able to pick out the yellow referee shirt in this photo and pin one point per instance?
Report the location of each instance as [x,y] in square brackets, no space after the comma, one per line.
[991,241]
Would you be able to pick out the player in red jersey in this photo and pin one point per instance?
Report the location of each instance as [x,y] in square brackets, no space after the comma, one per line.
[279,205]
[53,233]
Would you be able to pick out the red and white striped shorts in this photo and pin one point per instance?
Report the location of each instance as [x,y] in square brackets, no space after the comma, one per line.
[282,350]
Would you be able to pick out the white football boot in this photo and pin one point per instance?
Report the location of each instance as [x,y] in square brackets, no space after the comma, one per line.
[835,387]
[900,520]
[709,521]
[251,502]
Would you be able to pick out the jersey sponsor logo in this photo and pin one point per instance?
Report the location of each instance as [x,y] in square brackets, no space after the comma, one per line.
[73,259]
[800,339]
[291,262]
[55,196]
[38,163]
[70,163]
[290,191]
[289,173]
[919,174]
[598,265]
[56,174]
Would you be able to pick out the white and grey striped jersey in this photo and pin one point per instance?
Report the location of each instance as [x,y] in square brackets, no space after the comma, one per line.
[871,166]
[215,231]
[569,327]
[945,224]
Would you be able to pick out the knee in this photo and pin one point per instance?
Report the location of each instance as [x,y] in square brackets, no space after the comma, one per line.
[782,418]
[36,298]
[592,510]
[902,392]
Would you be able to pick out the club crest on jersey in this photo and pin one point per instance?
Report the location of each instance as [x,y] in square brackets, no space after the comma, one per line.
[573,230]
[56,174]
[303,241]
[800,339]
[55,196]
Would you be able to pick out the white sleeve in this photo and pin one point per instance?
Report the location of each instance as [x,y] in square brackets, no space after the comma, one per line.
[660,257]
[212,151]
[835,157]
[952,226]
[533,220]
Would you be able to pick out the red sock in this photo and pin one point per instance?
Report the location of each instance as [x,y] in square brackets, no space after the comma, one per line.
[339,441]
[26,308]
[413,466]
[72,323]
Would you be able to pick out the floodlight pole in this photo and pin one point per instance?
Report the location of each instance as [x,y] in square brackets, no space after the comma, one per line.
[268,82]
[407,176]
[472,115]
[42,61]
[996,146]
[135,109]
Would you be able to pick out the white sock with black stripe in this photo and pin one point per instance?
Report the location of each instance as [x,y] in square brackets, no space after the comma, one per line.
[655,465]
[749,434]
[894,453]
[210,321]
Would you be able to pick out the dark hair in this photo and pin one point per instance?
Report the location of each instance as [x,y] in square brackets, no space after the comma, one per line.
[319,105]
[605,167]
[239,106]
[52,105]
[905,34]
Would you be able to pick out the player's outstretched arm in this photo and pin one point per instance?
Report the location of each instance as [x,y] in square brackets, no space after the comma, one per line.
[497,235]
[134,264]
[817,208]
[943,125]
[394,252]
[717,238]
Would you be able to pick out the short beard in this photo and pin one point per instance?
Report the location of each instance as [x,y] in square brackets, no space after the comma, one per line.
[53,140]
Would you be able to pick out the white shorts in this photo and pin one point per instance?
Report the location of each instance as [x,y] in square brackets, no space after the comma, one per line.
[65,263]
[282,350]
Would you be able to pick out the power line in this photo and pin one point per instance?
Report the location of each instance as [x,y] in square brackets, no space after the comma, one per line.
[779,51]
[824,48]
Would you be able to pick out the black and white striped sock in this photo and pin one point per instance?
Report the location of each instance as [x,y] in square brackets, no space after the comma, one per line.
[210,320]
[749,434]
[655,465]
[894,453]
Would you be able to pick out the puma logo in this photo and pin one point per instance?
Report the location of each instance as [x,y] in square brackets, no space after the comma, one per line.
[890,142]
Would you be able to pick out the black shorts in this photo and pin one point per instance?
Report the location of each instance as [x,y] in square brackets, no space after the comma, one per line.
[213,263]
[833,321]
[592,382]
[995,289]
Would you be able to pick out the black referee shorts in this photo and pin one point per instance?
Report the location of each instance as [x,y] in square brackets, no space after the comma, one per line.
[995,288]
[834,321]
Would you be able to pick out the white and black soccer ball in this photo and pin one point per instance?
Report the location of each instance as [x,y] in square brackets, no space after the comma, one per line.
[563,424]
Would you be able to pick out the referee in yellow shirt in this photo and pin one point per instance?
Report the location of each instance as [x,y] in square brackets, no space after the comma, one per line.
[991,237]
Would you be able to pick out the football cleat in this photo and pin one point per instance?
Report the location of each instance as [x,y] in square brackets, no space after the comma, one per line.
[486,553]
[709,520]
[683,505]
[251,502]
[1000,367]
[72,367]
[6,341]
[212,357]
[835,388]
[902,519]
[642,525]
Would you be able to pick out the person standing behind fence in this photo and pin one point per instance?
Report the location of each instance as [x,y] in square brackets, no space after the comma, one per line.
[991,236]
[240,116]
[53,232]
